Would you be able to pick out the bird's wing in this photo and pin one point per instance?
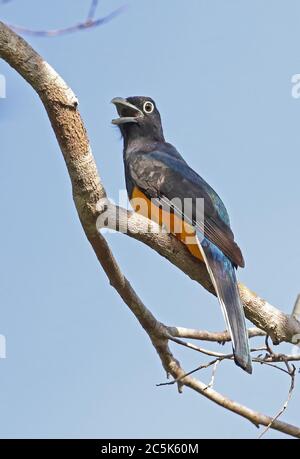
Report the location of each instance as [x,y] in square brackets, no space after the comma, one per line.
[168,180]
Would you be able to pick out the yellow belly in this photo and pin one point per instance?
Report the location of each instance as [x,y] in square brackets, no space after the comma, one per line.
[173,224]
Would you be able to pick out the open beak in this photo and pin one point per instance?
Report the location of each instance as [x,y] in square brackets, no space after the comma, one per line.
[128,112]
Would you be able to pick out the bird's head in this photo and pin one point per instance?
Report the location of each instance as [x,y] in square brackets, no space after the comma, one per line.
[138,118]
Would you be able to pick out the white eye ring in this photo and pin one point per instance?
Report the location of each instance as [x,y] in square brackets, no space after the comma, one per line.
[148,107]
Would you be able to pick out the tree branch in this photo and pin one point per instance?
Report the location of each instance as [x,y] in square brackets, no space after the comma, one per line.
[203,335]
[88,23]
[88,192]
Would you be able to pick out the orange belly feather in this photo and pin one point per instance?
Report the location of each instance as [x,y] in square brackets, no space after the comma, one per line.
[173,224]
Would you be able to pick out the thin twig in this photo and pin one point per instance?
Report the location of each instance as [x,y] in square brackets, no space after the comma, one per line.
[213,375]
[269,349]
[285,405]
[92,10]
[87,24]
[180,378]
[282,358]
[263,362]
[199,349]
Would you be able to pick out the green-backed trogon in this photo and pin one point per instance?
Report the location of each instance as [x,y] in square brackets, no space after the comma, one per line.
[173,195]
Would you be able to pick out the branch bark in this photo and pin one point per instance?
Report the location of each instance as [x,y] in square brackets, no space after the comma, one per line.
[88,191]
[203,335]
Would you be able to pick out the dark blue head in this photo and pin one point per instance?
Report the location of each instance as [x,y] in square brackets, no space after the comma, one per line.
[139,118]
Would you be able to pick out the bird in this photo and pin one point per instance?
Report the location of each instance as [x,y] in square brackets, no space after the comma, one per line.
[163,187]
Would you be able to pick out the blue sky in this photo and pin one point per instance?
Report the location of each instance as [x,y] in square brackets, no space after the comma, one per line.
[78,364]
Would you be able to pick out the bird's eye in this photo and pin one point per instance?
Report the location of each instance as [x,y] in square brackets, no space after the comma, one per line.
[148,107]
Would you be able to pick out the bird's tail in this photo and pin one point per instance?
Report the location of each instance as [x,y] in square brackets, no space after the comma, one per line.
[223,277]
